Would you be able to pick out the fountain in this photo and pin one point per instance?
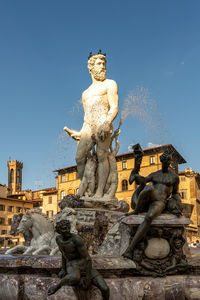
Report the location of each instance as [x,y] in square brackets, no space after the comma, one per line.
[139,255]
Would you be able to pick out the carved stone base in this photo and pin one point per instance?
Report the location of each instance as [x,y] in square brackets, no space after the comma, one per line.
[29,277]
[110,204]
[159,253]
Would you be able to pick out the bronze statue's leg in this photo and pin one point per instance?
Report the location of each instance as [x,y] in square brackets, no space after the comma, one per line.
[103,165]
[143,199]
[100,283]
[72,278]
[155,209]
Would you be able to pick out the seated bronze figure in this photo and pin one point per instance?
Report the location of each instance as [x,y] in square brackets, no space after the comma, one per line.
[151,198]
[76,268]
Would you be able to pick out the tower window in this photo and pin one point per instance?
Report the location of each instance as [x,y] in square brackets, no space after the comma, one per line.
[18,176]
[11,176]
[124,185]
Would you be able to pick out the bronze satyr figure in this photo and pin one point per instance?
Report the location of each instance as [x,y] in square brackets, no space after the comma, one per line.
[76,268]
[152,198]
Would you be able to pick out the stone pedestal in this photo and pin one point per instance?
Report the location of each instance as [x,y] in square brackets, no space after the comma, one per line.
[159,253]
[29,277]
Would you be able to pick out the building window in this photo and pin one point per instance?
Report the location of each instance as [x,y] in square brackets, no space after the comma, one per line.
[11,175]
[63,178]
[9,221]
[62,195]
[2,207]
[124,185]
[124,165]
[18,209]
[182,178]
[50,200]
[152,160]
[49,213]
[2,221]
[3,231]
[10,208]
[183,194]
[77,191]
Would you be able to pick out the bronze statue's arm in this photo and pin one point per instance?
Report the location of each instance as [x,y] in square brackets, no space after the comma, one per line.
[63,268]
[175,187]
[149,178]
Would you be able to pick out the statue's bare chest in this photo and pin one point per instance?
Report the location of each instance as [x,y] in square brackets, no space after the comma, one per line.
[96,95]
[67,247]
[163,178]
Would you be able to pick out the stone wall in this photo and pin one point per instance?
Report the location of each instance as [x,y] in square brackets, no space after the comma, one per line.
[29,277]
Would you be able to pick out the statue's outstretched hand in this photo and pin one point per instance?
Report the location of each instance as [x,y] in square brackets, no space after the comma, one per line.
[76,135]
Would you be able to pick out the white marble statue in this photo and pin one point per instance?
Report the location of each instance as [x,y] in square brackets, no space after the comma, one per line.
[112,182]
[43,230]
[43,240]
[100,103]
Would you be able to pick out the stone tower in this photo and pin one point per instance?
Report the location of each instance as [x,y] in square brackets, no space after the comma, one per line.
[14,176]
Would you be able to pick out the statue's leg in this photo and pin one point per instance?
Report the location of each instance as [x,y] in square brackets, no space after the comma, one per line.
[103,165]
[19,249]
[82,187]
[81,154]
[155,209]
[112,190]
[91,186]
[44,250]
[100,283]
[72,278]
[29,250]
[143,199]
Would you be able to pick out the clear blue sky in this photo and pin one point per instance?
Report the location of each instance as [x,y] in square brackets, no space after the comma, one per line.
[154,44]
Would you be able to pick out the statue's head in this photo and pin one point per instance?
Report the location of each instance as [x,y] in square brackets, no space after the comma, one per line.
[63,227]
[97,65]
[166,158]
[25,223]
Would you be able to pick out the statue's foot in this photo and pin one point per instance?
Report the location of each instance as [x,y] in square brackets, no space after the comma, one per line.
[52,290]
[127,254]
[98,195]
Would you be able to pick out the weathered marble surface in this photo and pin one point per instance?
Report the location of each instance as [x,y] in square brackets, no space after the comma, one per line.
[29,277]
[163,219]
[118,237]
[34,287]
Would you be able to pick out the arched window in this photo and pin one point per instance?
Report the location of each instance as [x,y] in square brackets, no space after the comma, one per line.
[62,195]
[124,185]
[11,176]
[18,175]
